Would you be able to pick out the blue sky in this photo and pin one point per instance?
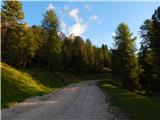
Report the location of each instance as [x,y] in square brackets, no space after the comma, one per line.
[94,20]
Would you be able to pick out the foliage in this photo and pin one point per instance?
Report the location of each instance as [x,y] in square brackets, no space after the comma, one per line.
[89,55]
[12,30]
[78,55]
[40,46]
[106,56]
[66,53]
[40,41]
[146,56]
[52,47]
[124,44]
[149,56]
[155,46]
[98,59]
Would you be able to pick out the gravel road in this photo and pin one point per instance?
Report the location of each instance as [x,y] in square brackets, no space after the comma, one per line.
[81,101]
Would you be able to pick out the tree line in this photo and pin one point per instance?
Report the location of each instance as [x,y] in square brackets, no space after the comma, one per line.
[140,70]
[40,46]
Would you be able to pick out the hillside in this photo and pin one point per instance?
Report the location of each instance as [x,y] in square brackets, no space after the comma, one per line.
[18,85]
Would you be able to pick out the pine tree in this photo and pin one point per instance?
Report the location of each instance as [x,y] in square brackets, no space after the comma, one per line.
[155,46]
[115,62]
[12,31]
[89,55]
[106,56]
[52,47]
[12,14]
[146,55]
[26,48]
[98,59]
[40,41]
[78,55]
[124,44]
[66,53]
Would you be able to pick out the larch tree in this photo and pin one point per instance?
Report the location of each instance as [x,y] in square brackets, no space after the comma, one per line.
[124,44]
[78,55]
[18,44]
[28,47]
[98,59]
[89,55]
[66,53]
[12,30]
[155,46]
[146,56]
[40,41]
[52,55]
[106,56]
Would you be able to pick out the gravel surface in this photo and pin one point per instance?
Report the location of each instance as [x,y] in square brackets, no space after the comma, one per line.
[81,101]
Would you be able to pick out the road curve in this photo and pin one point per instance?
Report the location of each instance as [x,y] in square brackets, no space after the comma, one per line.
[81,101]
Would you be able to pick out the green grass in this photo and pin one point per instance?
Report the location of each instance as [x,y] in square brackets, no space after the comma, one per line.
[137,107]
[17,85]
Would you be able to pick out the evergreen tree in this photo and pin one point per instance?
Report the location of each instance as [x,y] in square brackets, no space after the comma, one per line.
[115,62]
[40,41]
[27,47]
[12,31]
[146,56]
[12,14]
[52,47]
[106,56]
[98,59]
[66,53]
[89,55]
[78,55]
[124,44]
[155,46]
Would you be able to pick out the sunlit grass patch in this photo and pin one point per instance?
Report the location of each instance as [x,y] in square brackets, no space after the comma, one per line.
[136,106]
[17,85]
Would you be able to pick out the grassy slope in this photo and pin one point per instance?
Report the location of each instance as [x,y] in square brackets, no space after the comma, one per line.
[136,106]
[17,85]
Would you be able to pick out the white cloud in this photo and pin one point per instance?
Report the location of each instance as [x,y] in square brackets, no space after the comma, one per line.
[93,17]
[77,29]
[74,14]
[113,34]
[80,26]
[50,7]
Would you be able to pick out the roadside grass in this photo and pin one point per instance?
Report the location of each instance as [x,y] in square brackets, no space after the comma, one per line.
[136,106]
[19,84]
[51,80]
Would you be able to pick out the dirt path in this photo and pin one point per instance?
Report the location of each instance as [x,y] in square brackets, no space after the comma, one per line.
[81,101]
